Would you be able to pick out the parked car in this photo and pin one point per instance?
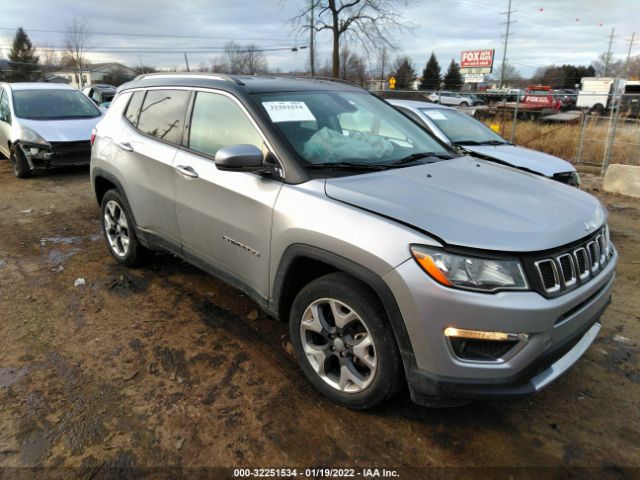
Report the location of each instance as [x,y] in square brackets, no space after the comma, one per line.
[100,93]
[468,135]
[450,98]
[392,257]
[45,125]
[567,98]
[474,98]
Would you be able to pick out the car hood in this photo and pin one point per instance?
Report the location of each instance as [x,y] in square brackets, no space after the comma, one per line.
[475,203]
[521,157]
[62,130]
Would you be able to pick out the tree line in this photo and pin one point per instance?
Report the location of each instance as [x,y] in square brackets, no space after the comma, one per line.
[355,22]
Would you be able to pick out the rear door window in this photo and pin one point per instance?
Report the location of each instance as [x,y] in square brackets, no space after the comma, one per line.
[162,114]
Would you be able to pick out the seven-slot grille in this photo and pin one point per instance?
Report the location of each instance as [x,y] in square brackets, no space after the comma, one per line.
[563,271]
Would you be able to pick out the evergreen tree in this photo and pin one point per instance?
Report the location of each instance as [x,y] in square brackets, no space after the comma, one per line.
[431,74]
[453,79]
[404,72]
[22,58]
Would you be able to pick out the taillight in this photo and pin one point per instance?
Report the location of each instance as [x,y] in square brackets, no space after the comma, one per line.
[93,136]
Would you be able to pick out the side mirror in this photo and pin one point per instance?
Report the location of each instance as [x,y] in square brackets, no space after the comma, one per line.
[240,158]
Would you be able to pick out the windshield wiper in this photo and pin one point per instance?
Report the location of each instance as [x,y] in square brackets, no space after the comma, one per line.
[414,157]
[485,142]
[349,165]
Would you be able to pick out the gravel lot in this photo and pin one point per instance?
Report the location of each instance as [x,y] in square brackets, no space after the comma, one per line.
[165,366]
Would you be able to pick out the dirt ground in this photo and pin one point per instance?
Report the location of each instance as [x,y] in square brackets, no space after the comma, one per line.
[165,366]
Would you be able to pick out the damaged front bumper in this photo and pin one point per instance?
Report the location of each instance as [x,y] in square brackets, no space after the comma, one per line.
[56,154]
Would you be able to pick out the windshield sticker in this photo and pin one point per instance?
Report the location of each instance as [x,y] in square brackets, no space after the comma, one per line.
[288,112]
[434,115]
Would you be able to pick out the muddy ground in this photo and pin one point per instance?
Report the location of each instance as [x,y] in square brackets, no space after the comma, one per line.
[165,366]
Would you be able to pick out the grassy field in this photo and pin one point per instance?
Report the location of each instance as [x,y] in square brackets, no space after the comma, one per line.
[562,139]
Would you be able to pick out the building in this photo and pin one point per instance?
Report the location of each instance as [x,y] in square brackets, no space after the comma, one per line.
[98,73]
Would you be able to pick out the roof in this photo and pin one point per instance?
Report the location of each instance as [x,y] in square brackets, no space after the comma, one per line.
[240,83]
[39,86]
[417,104]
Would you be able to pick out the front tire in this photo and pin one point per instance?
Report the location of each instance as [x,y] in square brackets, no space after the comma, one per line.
[19,162]
[464,104]
[343,342]
[119,231]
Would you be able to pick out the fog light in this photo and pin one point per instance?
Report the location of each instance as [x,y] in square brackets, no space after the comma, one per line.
[483,346]
[482,335]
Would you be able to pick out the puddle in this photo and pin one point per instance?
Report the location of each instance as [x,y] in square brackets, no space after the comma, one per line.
[10,375]
[60,240]
[58,257]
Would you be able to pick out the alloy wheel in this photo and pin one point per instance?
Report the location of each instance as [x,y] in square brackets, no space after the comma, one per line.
[116,228]
[338,345]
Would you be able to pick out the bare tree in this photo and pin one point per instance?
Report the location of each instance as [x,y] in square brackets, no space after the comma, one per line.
[368,22]
[606,66]
[240,60]
[50,56]
[254,61]
[352,67]
[383,62]
[76,42]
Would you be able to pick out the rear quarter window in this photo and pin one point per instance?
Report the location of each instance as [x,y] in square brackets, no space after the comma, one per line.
[133,109]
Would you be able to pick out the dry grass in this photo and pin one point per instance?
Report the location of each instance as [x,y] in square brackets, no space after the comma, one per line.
[562,140]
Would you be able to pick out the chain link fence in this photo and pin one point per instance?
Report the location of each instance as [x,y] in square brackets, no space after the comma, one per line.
[592,137]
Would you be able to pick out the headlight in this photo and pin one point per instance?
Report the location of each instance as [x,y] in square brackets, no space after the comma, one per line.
[575,176]
[608,246]
[28,135]
[468,272]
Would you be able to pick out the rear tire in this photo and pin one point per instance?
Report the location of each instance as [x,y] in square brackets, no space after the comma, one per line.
[344,343]
[19,162]
[119,231]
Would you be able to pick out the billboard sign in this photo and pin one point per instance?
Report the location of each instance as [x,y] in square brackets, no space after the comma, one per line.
[477,61]
[473,78]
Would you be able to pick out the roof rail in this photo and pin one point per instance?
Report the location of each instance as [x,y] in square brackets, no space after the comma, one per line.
[216,76]
[332,79]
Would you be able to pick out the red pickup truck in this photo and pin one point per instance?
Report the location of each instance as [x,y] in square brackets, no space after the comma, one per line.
[539,99]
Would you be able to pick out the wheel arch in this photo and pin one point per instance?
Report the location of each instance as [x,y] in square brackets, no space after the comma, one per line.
[300,264]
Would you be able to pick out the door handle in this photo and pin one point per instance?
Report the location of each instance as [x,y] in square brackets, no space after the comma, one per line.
[126,147]
[187,171]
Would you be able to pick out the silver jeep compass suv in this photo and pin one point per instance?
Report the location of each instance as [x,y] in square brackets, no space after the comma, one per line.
[393,259]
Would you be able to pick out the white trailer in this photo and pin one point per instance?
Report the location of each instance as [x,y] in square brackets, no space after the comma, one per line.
[596,93]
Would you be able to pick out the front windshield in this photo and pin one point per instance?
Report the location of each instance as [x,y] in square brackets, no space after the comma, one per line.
[460,127]
[332,127]
[53,105]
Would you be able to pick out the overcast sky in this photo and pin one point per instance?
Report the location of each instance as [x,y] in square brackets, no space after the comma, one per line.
[545,32]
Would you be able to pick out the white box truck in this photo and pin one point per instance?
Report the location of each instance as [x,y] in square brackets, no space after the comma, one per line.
[596,93]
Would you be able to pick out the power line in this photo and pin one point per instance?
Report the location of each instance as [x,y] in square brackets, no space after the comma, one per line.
[152,35]
[139,50]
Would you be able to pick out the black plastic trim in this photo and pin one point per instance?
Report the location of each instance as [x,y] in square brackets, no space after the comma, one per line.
[374,281]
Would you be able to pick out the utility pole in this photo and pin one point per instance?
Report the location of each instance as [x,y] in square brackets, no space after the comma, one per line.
[506,41]
[186,61]
[312,39]
[607,60]
[626,64]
